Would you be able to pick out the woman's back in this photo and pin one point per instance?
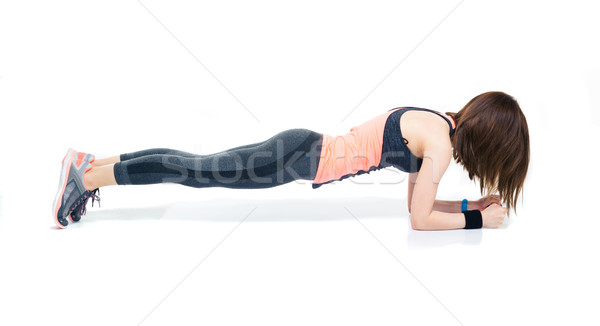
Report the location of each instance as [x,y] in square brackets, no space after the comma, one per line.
[386,140]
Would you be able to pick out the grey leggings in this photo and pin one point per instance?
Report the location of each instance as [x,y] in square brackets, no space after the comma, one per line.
[290,155]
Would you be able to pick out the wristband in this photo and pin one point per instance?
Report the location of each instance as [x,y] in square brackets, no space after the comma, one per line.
[464,205]
[473,219]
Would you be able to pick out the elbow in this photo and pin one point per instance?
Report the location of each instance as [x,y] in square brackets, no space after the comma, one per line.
[418,222]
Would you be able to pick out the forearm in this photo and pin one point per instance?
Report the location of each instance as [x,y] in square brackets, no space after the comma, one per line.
[451,206]
[439,221]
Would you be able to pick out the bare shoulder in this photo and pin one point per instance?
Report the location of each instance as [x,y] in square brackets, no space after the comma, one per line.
[427,134]
[437,153]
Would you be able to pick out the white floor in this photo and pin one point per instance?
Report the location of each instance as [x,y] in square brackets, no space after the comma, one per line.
[116,76]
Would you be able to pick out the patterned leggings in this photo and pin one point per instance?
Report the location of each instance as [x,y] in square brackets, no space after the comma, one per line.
[290,155]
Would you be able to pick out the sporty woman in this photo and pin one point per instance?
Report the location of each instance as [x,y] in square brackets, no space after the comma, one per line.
[488,136]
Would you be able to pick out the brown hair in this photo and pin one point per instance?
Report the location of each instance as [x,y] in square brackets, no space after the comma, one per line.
[491,141]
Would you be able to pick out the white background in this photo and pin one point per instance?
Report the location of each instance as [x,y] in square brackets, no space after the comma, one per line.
[107,77]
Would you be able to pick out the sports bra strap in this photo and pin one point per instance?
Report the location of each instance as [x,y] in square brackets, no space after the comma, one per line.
[448,118]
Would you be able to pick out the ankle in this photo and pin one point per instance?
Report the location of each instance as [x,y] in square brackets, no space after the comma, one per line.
[88,180]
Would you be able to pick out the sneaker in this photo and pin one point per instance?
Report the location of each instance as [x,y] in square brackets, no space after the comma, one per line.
[71,188]
[79,156]
[64,173]
[80,210]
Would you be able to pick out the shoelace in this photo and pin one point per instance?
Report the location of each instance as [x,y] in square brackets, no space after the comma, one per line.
[82,202]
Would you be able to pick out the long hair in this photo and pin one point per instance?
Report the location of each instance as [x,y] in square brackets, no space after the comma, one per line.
[491,141]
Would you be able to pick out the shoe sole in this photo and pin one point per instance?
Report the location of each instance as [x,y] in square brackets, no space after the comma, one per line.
[64,174]
[81,157]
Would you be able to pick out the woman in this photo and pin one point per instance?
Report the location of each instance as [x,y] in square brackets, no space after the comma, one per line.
[488,136]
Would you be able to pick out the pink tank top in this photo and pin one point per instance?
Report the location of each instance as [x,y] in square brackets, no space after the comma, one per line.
[358,150]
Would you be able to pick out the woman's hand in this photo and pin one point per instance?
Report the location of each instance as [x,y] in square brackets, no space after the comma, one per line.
[484,202]
[493,216]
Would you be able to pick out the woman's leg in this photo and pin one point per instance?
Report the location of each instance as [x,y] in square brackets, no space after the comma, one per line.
[154,151]
[106,161]
[129,156]
[99,176]
[289,155]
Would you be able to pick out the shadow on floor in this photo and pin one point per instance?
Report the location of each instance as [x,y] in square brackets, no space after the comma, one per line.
[276,210]
[435,239]
[292,209]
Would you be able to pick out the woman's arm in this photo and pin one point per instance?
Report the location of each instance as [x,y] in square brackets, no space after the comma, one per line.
[438,205]
[424,188]
[424,217]
[452,206]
